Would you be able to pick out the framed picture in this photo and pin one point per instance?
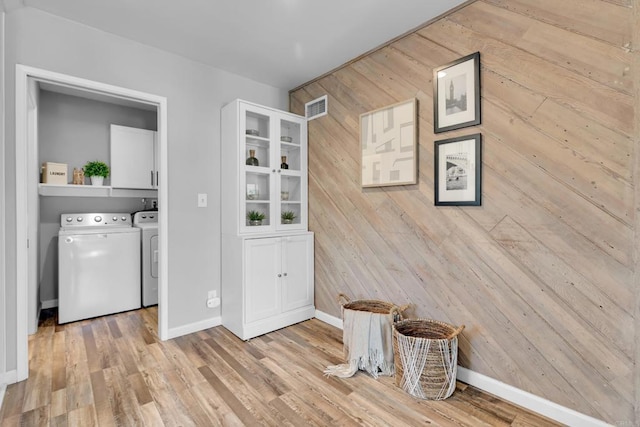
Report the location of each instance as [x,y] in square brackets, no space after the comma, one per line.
[388,145]
[456,94]
[458,167]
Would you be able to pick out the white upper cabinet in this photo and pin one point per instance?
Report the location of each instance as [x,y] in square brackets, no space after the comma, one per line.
[264,169]
[133,158]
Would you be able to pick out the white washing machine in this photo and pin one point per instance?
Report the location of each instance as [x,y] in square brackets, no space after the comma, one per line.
[98,265]
[147,222]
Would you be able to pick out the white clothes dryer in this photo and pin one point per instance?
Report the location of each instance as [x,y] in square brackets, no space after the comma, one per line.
[98,265]
[147,222]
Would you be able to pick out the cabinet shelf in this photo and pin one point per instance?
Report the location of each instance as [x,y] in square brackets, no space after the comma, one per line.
[71,190]
[290,146]
[258,169]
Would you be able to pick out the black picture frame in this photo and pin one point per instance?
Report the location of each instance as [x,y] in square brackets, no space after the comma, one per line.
[458,171]
[456,94]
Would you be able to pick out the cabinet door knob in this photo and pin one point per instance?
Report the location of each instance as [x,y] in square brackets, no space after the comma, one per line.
[279,275]
[285,274]
[278,170]
[273,170]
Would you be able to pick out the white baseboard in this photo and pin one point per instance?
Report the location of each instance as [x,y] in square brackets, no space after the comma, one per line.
[6,378]
[49,304]
[527,400]
[194,327]
[9,377]
[509,393]
[3,389]
[327,318]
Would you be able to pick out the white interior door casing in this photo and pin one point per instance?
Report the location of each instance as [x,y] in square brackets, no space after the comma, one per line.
[26,170]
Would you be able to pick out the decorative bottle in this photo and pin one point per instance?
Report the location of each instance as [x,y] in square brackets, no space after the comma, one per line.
[284,164]
[252,161]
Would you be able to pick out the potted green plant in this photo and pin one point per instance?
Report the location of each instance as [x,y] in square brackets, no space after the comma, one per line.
[97,170]
[255,217]
[287,217]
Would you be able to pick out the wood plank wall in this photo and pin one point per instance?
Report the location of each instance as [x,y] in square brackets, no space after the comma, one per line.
[542,273]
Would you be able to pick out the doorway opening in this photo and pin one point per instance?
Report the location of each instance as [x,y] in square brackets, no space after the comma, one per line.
[31,83]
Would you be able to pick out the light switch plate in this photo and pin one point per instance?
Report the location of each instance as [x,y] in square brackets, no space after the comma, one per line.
[202,200]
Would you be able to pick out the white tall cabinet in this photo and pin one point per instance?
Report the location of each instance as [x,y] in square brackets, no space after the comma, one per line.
[267,265]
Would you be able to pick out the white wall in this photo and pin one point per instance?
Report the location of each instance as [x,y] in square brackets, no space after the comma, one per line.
[195,94]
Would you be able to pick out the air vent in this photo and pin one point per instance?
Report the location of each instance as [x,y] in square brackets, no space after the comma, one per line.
[316,108]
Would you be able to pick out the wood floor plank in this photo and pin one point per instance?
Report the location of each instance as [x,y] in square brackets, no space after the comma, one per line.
[212,378]
[150,415]
[236,406]
[140,389]
[269,388]
[58,403]
[82,417]
[101,400]
[214,405]
[59,374]
[290,414]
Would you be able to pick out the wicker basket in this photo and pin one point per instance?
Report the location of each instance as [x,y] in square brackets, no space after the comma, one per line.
[367,337]
[426,357]
[373,306]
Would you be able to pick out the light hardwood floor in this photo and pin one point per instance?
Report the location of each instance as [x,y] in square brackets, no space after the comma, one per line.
[113,371]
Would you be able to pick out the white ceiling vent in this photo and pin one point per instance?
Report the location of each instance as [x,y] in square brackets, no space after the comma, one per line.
[316,108]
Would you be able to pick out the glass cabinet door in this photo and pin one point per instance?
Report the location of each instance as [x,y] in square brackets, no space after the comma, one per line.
[290,178]
[273,177]
[256,177]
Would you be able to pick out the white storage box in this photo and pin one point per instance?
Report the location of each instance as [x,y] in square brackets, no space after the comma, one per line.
[54,173]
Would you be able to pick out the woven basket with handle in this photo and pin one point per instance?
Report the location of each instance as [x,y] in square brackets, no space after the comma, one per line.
[426,355]
[373,306]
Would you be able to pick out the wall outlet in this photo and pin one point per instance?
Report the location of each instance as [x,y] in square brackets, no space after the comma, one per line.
[212,299]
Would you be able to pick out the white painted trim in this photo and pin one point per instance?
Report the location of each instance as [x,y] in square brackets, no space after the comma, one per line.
[509,393]
[10,377]
[3,389]
[163,235]
[22,266]
[49,304]
[327,318]
[3,298]
[194,327]
[6,378]
[527,400]
[23,74]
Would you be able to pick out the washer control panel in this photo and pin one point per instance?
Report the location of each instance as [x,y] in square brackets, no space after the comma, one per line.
[95,220]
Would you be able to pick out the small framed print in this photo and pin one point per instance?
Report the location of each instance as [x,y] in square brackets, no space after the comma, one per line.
[458,167]
[456,94]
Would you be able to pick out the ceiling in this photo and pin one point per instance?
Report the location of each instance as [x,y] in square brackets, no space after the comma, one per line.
[283,43]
